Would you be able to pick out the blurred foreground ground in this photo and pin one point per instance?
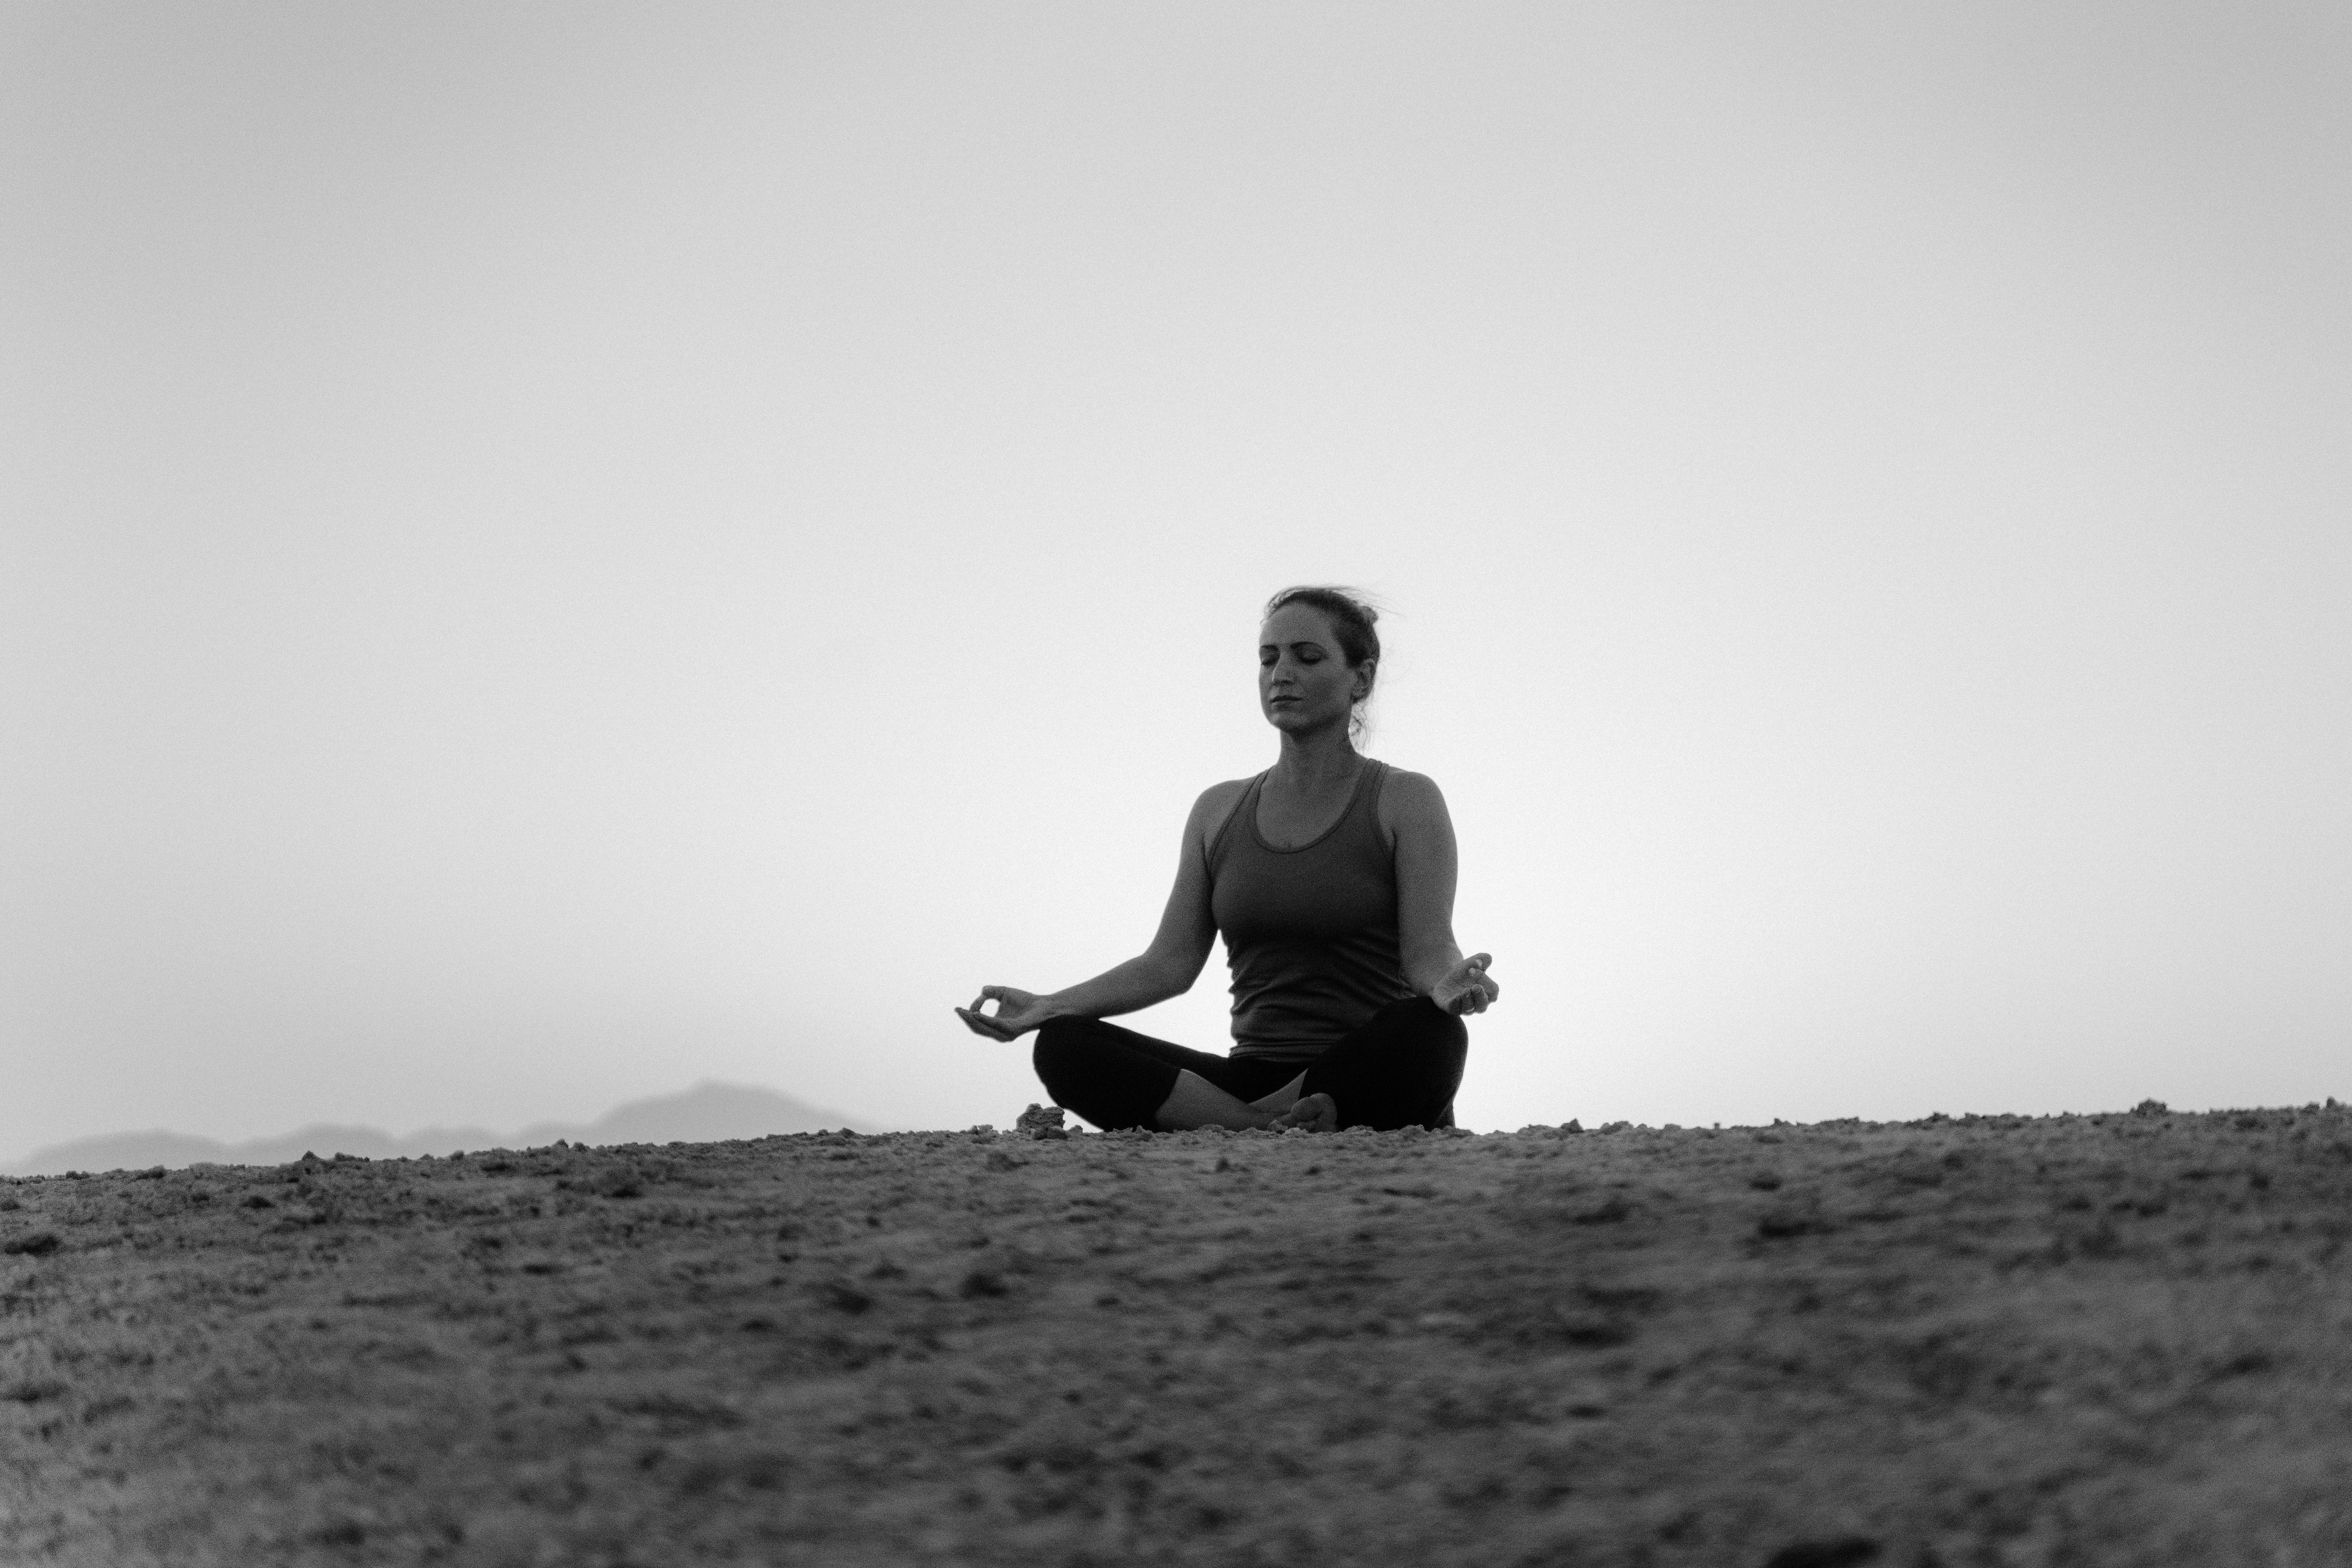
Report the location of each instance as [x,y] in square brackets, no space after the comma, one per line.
[2080,1341]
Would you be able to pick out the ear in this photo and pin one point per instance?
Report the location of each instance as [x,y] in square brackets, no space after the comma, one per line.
[1364,674]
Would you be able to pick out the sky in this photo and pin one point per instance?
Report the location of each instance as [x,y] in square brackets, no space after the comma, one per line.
[550,553]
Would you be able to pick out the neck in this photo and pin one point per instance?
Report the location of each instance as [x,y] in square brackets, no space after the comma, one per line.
[1316,758]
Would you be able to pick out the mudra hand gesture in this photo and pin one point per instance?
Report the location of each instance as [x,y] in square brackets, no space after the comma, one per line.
[1467,988]
[1017,1013]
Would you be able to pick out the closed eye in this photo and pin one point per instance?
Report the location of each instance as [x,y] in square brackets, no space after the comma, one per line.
[1303,652]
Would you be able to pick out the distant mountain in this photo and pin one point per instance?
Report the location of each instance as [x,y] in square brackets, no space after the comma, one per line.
[707,1113]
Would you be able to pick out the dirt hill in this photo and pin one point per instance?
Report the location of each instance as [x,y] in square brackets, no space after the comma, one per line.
[2082,1340]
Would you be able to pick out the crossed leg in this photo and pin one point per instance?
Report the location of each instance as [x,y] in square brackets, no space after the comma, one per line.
[1399,1069]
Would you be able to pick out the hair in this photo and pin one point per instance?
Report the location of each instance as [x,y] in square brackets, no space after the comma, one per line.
[1352,616]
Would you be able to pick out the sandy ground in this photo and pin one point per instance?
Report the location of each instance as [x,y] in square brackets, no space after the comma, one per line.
[2107,1340]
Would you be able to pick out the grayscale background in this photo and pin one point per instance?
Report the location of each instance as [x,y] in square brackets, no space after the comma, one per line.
[549,554]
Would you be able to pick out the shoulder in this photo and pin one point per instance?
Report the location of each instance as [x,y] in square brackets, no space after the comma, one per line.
[1220,798]
[1411,802]
[1406,793]
[1216,804]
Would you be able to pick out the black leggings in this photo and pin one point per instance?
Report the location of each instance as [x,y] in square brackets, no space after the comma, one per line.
[1399,1069]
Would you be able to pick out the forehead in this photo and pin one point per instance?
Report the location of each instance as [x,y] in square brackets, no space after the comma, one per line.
[1295,624]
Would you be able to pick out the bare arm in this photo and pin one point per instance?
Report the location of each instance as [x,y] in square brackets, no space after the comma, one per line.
[1415,813]
[1188,929]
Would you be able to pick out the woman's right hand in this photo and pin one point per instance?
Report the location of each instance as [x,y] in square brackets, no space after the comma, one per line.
[1017,1013]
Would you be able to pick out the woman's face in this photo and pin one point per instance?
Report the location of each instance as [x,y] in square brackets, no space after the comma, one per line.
[1303,678]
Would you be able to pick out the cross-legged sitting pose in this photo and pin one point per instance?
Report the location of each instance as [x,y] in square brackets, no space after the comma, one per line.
[1330,877]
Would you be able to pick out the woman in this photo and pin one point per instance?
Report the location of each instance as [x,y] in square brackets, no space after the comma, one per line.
[1330,877]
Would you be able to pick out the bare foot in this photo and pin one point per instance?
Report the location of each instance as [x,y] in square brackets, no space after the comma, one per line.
[1282,1099]
[1313,1112]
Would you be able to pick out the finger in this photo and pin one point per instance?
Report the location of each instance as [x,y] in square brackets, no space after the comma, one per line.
[1479,961]
[981,1023]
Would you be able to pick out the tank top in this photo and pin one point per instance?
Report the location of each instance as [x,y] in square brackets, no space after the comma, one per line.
[1311,933]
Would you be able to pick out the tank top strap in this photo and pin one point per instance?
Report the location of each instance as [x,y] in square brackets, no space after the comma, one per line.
[1359,827]
[1367,798]
[1245,811]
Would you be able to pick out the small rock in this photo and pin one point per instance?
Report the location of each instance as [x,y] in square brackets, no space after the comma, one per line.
[1839,1552]
[1041,1121]
[344,1531]
[1780,1225]
[844,1297]
[1593,1330]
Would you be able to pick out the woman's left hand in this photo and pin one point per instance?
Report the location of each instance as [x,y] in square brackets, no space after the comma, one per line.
[1467,987]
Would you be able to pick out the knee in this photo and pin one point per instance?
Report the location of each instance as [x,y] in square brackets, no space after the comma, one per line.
[1432,1027]
[1060,1041]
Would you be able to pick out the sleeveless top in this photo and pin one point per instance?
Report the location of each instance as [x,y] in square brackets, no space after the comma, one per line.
[1310,933]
